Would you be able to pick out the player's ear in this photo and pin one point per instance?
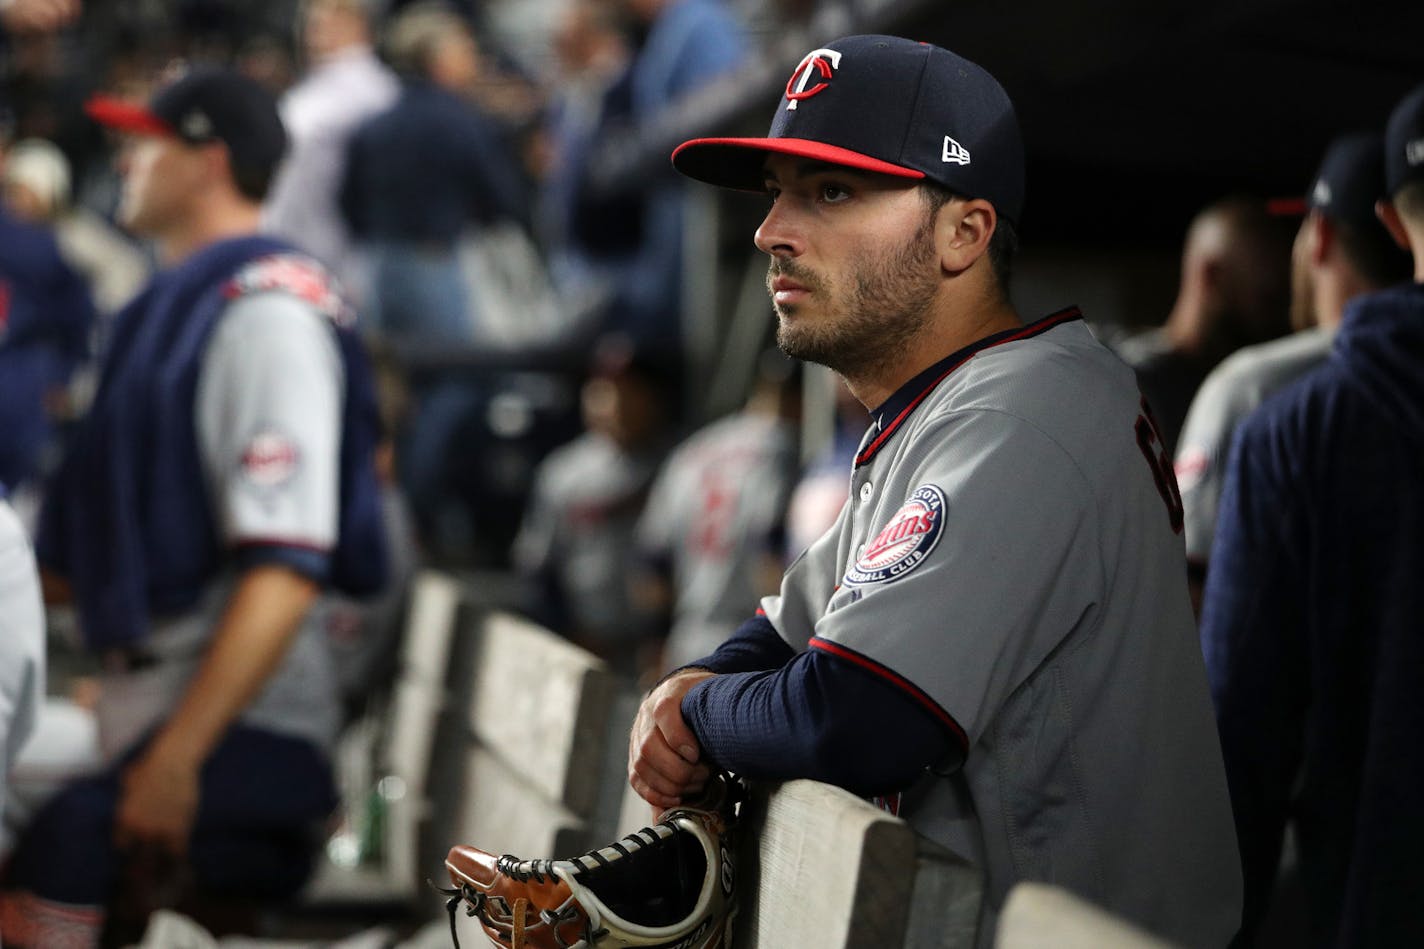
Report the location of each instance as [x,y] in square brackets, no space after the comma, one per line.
[1389,217]
[963,229]
[1322,237]
[218,162]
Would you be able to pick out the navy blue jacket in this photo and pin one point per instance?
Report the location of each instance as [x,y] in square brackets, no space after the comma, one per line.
[1313,630]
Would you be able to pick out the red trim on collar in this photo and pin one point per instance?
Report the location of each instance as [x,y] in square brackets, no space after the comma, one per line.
[1033,329]
[897,680]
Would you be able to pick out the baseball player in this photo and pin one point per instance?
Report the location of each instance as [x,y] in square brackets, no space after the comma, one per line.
[223,477]
[995,638]
[709,540]
[575,545]
[1311,621]
[1341,251]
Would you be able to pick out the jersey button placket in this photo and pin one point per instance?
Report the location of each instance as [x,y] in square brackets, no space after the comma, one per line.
[867,491]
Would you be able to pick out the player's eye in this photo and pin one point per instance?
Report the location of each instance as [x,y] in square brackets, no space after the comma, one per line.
[772,193]
[833,193]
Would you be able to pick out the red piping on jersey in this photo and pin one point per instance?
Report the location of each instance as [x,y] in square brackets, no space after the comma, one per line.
[1033,329]
[897,680]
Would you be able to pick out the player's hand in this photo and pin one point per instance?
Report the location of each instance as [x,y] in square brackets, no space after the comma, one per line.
[158,803]
[664,759]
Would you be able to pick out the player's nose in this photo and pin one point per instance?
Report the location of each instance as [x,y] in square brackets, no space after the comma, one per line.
[779,234]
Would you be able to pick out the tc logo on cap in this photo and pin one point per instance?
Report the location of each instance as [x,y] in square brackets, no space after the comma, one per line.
[824,61]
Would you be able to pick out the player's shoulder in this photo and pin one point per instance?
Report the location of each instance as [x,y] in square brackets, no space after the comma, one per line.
[295,275]
[1061,371]
[568,468]
[1258,368]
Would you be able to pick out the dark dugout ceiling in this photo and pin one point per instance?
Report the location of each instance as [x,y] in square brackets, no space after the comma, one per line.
[1135,112]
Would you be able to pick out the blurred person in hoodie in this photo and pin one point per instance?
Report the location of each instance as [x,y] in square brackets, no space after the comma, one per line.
[1311,620]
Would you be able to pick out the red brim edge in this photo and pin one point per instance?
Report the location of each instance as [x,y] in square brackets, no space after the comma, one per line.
[738,162]
[125,116]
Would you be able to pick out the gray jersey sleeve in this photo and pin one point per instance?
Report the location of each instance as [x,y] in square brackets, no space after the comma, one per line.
[268,415]
[22,639]
[1201,457]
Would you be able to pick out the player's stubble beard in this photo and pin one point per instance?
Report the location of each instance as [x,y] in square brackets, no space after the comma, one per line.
[863,331]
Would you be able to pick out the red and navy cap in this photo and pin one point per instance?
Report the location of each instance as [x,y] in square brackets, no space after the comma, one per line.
[884,104]
[206,104]
[1350,180]
[1404,142]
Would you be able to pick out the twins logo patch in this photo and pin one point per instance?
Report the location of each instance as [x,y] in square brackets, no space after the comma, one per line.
[270,459]
[905,542]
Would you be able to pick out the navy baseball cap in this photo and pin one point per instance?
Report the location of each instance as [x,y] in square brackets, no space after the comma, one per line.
[1350,180]
[206,104]
[883,104]
[1404,142]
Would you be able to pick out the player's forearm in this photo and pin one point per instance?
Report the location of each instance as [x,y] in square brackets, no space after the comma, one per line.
[259,624]
[819,718]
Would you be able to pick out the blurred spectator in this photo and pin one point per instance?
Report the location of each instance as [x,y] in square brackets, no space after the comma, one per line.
[45,320]
[1234,291]
[685,44]
[576,545]
[344,84]
[581,242]
[222,478]
[1311,624]
[423,172]
[710,540]
[37,190]
[1341,251]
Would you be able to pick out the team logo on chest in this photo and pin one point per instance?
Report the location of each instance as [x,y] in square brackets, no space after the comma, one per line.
[905,542]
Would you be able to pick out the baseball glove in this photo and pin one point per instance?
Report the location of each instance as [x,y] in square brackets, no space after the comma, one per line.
[668,886]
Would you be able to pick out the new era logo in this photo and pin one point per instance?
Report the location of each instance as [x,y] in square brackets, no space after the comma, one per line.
[955,152]
[1414,152]
[197,125]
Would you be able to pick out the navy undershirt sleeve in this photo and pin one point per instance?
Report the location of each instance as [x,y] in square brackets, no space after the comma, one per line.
[756,646]
[819,717]
[313,564]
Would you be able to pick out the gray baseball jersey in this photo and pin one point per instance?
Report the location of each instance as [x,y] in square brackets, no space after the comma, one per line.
[268,415]
[1009,557]
[1229,394]
[22,641]
[579,528]
[713,515]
